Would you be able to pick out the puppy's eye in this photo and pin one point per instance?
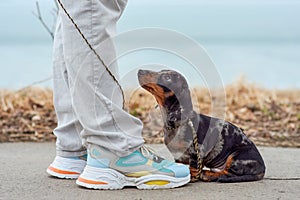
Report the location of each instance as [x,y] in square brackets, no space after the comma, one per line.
[167,77]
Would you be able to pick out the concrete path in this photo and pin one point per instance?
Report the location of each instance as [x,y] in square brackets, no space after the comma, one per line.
[23,176]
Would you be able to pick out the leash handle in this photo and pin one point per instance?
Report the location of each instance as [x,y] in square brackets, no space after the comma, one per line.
[93,50]
[196,146]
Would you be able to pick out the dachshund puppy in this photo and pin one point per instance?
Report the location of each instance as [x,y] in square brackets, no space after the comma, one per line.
[227,154]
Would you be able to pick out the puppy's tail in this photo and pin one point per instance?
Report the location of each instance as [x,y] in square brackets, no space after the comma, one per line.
[243,178]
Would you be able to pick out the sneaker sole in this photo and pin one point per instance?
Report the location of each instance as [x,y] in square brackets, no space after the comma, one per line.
[109,179]
[62,173]
[66,168]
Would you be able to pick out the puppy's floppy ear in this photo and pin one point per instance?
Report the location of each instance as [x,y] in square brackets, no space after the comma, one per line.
[185,98]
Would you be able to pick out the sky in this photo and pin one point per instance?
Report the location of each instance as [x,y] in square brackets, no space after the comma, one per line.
[17,20]
[241,36]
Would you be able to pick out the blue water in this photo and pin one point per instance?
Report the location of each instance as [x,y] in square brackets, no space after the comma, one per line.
[258,39]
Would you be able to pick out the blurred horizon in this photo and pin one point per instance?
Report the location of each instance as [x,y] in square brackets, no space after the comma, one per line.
[258,39]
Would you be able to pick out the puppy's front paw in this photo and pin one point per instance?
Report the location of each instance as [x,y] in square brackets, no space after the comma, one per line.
[194,173]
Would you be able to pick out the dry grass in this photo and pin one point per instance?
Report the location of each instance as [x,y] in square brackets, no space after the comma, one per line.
[269,117]
[27,115]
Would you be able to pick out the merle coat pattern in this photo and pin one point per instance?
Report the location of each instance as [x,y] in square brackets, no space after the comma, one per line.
[228,155]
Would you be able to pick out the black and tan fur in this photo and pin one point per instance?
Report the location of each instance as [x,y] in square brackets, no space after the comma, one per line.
[228,155]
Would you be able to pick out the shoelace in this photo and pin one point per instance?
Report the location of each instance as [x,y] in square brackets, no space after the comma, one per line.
[150,153]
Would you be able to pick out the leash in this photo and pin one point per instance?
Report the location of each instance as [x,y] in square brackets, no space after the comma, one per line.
[196,147]
[190,123]
[93,50]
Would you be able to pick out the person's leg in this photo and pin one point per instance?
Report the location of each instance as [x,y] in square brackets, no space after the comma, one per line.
[116,155]
[96,99]
[68,140]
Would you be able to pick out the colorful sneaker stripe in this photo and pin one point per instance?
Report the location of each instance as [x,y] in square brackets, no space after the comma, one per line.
[138,174]
[91,181]
[157,182]
[61,171]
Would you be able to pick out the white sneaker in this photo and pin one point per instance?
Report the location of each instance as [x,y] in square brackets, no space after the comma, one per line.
[142,169]
[68,168]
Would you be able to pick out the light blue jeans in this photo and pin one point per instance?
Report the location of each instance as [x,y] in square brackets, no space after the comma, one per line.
[87,101]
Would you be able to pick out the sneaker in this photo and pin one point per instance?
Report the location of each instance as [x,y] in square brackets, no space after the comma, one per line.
[142,169]
[67,167]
